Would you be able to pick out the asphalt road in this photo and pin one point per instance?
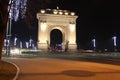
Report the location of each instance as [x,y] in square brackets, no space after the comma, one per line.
[39,68]
[88,57]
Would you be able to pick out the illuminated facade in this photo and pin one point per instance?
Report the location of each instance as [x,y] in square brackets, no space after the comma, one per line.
[63,20]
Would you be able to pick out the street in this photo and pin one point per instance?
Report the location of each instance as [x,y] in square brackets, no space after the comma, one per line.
[61,69]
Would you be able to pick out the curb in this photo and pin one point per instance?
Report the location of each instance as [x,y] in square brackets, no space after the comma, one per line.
[18,70]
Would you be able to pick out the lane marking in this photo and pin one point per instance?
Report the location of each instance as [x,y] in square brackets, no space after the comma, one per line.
[18,69]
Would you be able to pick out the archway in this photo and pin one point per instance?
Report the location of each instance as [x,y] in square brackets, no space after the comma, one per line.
[56,38]
[57,27]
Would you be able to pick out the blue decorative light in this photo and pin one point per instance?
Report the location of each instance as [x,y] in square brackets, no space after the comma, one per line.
[114,39]
[94,42]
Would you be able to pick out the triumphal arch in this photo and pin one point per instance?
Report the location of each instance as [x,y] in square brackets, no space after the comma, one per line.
[62,20]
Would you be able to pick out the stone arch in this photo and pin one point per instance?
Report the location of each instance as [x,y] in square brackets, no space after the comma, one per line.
[59,28]
[56,38]
[66,23]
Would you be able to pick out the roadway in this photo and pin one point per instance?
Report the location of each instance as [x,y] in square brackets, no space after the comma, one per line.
[41,68]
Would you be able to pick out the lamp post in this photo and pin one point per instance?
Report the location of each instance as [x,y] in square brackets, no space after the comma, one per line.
[94,43]
[114,42]
[21,45]
[8,36]
[8,31]
[15,41]
[30,42]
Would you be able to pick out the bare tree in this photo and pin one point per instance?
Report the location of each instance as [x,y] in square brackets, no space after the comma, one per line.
[3,21]
[30,15]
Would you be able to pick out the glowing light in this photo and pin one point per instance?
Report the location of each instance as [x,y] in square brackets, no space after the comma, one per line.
[33,45]
[8,42]
[55,12]
[27,44]
[72,27]
[30,41]
[60,13]
[57,7]
[72,13]
[42,11]
[15,51]
[114,39]
[43,26]
[66,13]
[5,41]
[15,41]
[21,45]
[16,8]
[94,43]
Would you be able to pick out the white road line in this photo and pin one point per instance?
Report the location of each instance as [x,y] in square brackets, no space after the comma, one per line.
[18,70]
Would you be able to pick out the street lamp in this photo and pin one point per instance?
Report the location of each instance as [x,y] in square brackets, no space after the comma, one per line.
[114,42]
[27,44]
[8,35]
[94,43]
[30,42]
[21,45]
[15,41]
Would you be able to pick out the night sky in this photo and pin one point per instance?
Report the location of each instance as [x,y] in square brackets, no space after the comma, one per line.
[97,18]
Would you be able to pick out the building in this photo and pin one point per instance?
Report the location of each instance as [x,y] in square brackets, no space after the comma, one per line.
[56,19]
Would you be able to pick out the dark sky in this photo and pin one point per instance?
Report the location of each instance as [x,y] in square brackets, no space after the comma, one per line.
[99,18]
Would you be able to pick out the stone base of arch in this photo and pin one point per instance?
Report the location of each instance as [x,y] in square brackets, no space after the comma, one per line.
[43,46]
[72,47]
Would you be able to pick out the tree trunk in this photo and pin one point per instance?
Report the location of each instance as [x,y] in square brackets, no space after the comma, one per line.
[1,43]
[3,22]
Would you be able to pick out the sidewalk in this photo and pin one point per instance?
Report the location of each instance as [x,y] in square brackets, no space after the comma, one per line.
[68,54]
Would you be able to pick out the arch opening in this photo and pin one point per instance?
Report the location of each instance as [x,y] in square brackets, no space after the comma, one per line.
[56,39]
